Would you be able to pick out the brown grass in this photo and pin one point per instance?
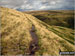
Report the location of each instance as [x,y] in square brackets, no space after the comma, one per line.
[15,36]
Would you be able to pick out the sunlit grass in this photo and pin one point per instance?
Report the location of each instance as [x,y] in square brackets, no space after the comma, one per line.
[15,34]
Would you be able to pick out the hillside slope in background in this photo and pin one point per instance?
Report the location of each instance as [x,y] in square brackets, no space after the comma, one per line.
[63,18]
[16,37]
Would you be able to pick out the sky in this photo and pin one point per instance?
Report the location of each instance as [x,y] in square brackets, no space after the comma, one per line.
[30,5]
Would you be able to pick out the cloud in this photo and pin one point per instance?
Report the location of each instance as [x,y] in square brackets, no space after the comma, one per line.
[53,2]
[11,3]
[38,4]
[43,7]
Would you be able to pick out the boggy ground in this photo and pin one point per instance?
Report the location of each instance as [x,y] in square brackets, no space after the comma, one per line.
[34,43]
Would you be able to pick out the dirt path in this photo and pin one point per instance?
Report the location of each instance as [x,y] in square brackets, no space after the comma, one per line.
[34,43]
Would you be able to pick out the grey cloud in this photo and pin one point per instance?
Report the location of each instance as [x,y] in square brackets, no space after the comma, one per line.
[11,3]
[37,4]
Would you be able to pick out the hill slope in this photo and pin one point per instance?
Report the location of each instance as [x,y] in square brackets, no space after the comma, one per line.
[63,18]
[16,37]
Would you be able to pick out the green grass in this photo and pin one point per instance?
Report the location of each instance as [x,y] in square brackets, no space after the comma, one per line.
[57,18]
[64,35]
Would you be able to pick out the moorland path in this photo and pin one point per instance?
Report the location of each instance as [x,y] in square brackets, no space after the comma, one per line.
[34,43]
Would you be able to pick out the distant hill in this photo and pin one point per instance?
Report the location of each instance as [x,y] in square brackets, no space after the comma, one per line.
[63,18]
[16,37]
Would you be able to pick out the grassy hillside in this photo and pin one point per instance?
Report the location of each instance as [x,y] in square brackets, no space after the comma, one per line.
[14,32]
[63,18]
[16,37]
